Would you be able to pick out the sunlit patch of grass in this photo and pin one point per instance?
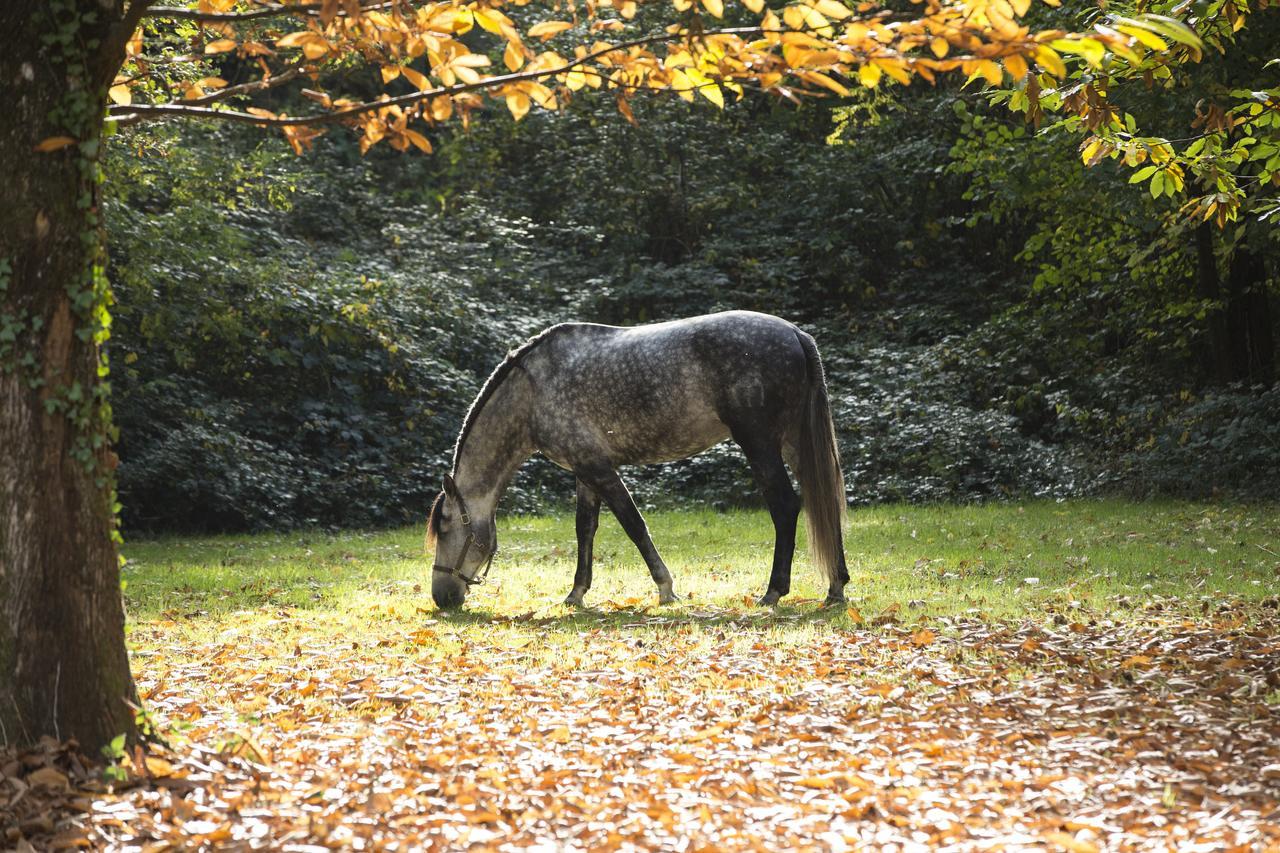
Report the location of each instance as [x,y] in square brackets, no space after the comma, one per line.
[1004,560]
[1071,561]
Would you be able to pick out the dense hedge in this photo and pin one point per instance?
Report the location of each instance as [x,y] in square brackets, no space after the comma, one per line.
[297,339]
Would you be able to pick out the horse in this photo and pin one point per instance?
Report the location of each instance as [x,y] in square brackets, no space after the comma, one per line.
[592,397]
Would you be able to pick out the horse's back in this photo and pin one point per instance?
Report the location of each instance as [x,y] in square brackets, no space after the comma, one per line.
[667,390]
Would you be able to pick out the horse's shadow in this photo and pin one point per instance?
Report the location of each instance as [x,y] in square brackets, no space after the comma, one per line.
[562,617]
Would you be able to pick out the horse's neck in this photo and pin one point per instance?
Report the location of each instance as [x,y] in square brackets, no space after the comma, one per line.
[498,443]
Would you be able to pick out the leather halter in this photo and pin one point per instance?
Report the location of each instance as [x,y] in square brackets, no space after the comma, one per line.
[486,553]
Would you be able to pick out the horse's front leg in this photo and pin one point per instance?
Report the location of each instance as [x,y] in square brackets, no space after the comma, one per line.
[609,486]
[587,522]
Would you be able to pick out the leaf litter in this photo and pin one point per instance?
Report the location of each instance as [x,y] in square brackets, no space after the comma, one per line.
[687,729]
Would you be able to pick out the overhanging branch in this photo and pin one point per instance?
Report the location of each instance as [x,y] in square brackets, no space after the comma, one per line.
[134,113]
[267,11]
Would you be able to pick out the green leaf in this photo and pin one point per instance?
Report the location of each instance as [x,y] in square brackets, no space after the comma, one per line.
[1143,173]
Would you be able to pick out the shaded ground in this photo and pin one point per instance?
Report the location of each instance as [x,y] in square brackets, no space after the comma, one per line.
[1151,724]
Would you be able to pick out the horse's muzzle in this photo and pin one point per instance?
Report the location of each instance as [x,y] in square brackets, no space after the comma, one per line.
[447,591]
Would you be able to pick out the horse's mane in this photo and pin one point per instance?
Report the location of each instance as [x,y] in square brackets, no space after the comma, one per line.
[500,373]
[433,522]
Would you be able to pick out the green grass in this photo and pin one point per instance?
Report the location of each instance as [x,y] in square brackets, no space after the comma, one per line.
[1004,561]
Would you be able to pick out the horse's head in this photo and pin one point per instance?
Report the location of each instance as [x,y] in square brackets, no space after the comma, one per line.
[464,546]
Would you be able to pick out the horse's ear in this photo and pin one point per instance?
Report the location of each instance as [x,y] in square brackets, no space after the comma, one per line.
[450,487]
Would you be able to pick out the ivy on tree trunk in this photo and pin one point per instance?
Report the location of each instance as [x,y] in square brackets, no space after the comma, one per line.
[64,670]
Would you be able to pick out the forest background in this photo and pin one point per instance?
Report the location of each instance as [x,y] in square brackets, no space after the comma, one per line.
[296,339]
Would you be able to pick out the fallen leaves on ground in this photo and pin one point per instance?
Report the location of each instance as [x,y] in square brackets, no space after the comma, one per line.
[691,729]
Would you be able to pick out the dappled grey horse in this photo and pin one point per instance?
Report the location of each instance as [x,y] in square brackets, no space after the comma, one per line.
[591,397]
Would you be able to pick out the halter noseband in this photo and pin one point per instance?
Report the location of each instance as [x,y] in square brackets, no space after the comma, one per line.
[486,553]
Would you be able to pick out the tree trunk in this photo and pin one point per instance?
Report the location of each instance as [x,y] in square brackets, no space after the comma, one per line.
[1249,318]
[64,670]
[1215,352]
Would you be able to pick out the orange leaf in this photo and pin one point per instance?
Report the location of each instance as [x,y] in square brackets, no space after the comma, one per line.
[417,78]
[546,29]
[418,140]
[54,143]
[825,782]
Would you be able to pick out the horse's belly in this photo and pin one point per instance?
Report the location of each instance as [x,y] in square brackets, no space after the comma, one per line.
[647,440]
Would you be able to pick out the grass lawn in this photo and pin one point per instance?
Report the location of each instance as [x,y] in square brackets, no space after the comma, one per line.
[1085,675]
[1002,561]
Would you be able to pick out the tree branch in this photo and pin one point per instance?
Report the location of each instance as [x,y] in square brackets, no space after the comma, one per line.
[134,113]
[262,85]
[135,13]
[267,11]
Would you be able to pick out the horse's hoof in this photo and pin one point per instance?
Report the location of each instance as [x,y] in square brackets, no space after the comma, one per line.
[769,599]
[667,596]
[834,601]
[573,600]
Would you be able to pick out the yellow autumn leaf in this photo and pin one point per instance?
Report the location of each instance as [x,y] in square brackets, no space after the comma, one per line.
[754,5]
[825,81]
[989,71]
[513,57]
[1070,843]
[895,69]
[120,94]
[1016,66]
[541,95]
[54,143]
[297,39]
[832,9]
[819,782]
[518,104]
[546,29]
[714,7]
[418,140]
[712,93]
[491,20]
[441,108]
[220,46]
[869,75]
[417,78]
[1050,61]
[1145,37]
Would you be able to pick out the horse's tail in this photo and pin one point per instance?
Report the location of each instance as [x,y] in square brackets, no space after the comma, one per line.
[818,470]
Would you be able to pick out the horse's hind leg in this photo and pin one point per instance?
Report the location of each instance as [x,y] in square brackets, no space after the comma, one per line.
[765,458]
[609,486]
[588,521]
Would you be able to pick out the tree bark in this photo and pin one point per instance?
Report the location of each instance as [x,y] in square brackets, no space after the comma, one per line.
[64,670]
[1215,353]
[1249,318]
